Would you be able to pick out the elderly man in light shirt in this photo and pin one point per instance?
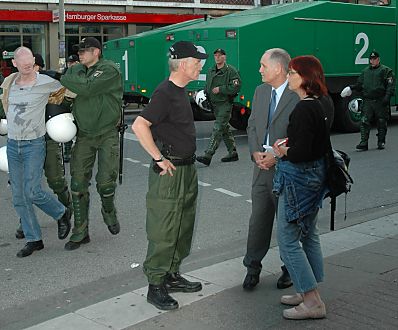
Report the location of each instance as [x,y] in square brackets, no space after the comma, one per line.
[24,99]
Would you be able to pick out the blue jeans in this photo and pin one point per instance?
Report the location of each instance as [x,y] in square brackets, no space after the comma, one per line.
[304,262]
[25,163]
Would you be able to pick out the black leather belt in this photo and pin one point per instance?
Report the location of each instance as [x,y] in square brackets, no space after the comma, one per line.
[178,161]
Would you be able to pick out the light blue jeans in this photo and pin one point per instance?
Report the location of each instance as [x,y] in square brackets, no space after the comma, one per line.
[303,261]
[25,164]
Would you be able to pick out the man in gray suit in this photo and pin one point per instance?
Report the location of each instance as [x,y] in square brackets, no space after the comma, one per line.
[272,104]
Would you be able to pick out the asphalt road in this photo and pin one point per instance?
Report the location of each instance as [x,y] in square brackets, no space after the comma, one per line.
[38,285]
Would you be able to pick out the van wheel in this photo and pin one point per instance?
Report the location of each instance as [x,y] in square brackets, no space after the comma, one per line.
[343,121]
[239,117]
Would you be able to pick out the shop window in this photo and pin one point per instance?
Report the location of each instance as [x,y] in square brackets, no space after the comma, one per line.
[71,29]
[90,29]
[9,28]
[33,28]
[115,30]
[35,42]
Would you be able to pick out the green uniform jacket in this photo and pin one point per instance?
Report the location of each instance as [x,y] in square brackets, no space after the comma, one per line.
[227,78]
[97,106]
[376,83]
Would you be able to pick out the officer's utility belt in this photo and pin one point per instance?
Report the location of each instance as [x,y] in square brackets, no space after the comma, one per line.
[178,161]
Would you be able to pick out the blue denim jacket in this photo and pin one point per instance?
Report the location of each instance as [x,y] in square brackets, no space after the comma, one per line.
[304,188]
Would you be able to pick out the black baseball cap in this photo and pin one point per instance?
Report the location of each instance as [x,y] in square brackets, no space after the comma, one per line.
[220,50]
[184,49]
[39,60]
[73,58]
[88,42]
[374,54]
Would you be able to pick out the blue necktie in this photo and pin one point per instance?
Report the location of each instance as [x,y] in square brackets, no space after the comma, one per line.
[271,110]
[272,106]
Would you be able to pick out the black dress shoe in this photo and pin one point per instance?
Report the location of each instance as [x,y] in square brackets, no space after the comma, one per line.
[64,224]
[159,297]
[250,281]
[114,229]
[204,160]
[29,248]
[75,245]
[230,158]
[174,282]
[284,281]
[380,145]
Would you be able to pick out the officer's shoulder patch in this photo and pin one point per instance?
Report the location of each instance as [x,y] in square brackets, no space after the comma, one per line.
[235,82]
[389,80]
[98,73]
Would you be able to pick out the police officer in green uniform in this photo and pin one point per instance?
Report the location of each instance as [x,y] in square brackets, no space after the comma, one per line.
[54,169]
[165,128]
[97,84]
[222,84]
[376,84]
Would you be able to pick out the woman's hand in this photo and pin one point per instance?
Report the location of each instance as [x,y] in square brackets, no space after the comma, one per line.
[280,147]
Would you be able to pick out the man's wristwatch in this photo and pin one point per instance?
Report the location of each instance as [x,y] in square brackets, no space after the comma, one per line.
[161,159]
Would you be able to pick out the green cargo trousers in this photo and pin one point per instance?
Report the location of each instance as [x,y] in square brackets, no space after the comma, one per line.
[171,209]
[221,130]
[55,172]
[374,109]
[84,153]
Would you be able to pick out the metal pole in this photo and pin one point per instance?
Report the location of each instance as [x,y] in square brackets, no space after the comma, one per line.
[61,35]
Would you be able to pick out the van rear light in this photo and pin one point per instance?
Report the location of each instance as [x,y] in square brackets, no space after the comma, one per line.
[242,111]
[131,43]
[248,104]
[132,87]
[242,97]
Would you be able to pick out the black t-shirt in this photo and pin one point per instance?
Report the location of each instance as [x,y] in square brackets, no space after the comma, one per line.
[306,132]
[170,113]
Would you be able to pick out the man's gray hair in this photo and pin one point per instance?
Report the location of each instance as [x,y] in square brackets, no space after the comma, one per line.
[174,63]
[280,56]
[22,49]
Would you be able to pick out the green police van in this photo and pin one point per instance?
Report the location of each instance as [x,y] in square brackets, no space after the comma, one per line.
[340,34]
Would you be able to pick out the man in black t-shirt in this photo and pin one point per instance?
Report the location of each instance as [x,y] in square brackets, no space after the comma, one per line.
[165,129]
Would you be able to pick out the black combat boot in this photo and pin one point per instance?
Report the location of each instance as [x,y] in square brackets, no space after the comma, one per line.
[230,158]
[159,297]
[174,282]
[19,234]
[64,224]
[363,145]
[284,281]
[205,159]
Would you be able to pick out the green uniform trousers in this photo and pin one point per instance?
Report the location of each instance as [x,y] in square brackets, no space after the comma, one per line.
[171,209]
[55,172]
[374,109]
[221,130]
[84,153]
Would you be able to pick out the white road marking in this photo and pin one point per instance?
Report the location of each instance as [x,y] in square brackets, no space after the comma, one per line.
[132,160]
[203,184]
[146,165]
[131,308]
[227,192]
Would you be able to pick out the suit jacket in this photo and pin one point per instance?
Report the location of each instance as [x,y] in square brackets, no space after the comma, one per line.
[257,124]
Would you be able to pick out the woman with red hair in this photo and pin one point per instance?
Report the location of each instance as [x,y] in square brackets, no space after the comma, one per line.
[300,184]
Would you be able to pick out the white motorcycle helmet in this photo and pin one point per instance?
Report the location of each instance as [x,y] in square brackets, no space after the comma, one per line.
[3,159]
[61,128]
[355,105]
[201,100]
[3,127]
